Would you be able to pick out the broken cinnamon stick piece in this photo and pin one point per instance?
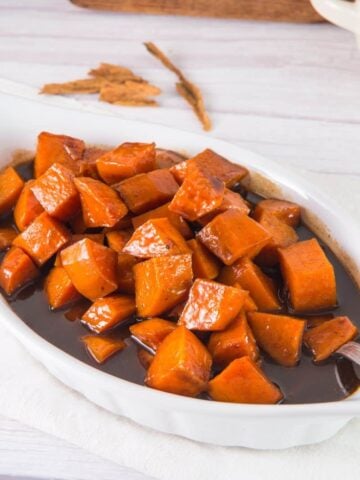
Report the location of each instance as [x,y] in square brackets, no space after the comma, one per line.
[129,93]
[85,85]
[114,73]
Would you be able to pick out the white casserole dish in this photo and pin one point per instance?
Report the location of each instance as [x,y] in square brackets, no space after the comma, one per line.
[255,426]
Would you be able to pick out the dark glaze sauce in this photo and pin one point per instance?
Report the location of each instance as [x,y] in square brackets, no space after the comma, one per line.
[333,380]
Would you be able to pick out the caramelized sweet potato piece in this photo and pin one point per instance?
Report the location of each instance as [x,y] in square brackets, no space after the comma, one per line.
[101,205]
[101,348]
[161,283]
[309,276]
[95,237]
[56,192]
[87,167]
[145,357]
[107,312]
[125,161]
[11,185]
[316,320]
[326,338]
[91,267]
[62,149]
[199,194]
[279,335]
[59,289]
[282,236]
[216,165]
[232,235]
[249,304]
[155,238]
[234,342]
[27,207]
[284,211]
[77,311]
[77,224]
[125,274]
[181,364]
[211,306]
[7,235]
[163,212]
[205,264]
[167,158]
[16,270]
[43,238]
[249,276]
[231,200]
[147,191]
[152,332]
[243,382]
[117,239]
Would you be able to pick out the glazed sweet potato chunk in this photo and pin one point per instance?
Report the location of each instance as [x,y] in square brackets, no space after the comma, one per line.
[243,381]
[62,149]
[87,166]
[107,312]
[91,267]
[205,264]
[147,191]
[56,192]
[284,211]
[249,276]
[43,238]
[11,185]
[117,239]
[211,306]
[316,320]
[155,238]
[199,194]
[236,341]
[102,348]
[232,235]
[95,237]
[163,212]
[279,335]
[59,289]
[326,338]
[101,205]
[7,235]
[16,270]
[167,158]
[309,276]
[152,332]
[231,200]
[181,365]
[125,274]
[125,161]
[161,283]
[27,207]
[249,304]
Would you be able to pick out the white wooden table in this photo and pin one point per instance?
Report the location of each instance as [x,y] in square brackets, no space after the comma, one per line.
[290,92]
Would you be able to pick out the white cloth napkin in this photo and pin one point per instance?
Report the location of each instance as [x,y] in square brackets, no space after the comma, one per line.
[29,394]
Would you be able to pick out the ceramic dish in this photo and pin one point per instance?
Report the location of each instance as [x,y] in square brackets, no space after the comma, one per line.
[255,426]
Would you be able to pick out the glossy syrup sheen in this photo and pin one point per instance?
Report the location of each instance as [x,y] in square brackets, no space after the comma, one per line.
[333,380]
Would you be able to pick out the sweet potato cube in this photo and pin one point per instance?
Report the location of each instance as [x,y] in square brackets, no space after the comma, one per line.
[279,335]
[167,158]
[232,235]
[11,185]
[56,192]
[163,212]
[101,348]
[178,171]
[211,306]
[161,283]
[62,149]
[282,236]
[87,166]
[147,191]
[91,267]
[96,237]
[125,273]
[236,341]
[16,270]
[152,332]
[326,338]
[181,365]
[125,161]
[316,320]
[117,239]
[156,238]
[249,304]
[243,381]
[7,235]
[205,264]
[284,211]
[199,194]
[43,238]
[108,312]
[27,207]
[231,200]
[59,289]
[145,357]
[101,205]
[309,276]
[249,276]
